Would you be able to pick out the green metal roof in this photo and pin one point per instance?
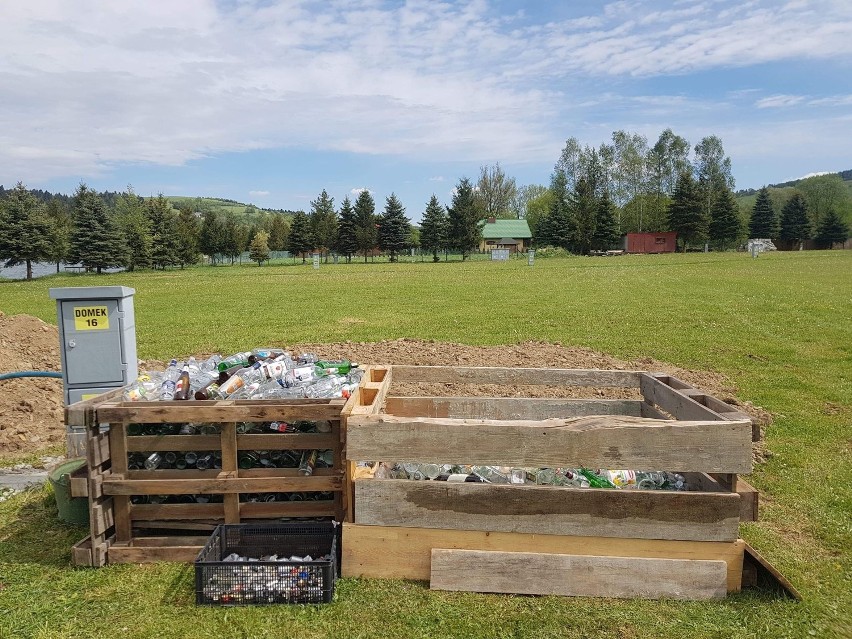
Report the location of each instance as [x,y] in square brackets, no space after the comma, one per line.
[518,229]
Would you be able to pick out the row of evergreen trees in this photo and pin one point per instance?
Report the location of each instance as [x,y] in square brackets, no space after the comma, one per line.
[794,226]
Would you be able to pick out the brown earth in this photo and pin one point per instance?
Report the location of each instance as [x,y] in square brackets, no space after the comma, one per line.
[31,409]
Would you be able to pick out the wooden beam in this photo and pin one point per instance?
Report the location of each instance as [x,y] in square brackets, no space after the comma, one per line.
[217,411]
[508,407]
[749,499]
[143,512]
[595,442]
[675,402]
[82,413]
[548,510]
[516,376]
[405,553]
[117,486]
[150,554]
[529,573]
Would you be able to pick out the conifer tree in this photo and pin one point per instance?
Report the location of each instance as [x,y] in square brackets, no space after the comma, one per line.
[557,228]
[96,240]
[686,213]
[465,232]
[606,235]
[187,236]
[583,210]
[211,240]
[365,223]
[135,223]
[259,248]
[725,226]
[60,230]
[278,232]
[831,230]
[433,228]
[763,222]
[347,242]
[324,223]
[301,240]
[394,228]
[24,230]
[164,242]
[795,223]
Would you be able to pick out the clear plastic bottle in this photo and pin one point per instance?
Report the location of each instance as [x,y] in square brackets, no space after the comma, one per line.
[331,386]
[170,377]
[276,389]
[241,378]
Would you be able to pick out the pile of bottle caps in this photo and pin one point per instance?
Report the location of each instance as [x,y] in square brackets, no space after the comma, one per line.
[262,373]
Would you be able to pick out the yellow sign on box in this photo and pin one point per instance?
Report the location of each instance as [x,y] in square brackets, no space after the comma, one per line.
[88,396]
[91,318]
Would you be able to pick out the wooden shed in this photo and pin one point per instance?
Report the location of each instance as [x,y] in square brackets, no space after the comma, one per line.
[651,242]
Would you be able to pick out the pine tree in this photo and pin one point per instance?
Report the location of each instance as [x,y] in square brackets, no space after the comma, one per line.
[324,223]
[795,223]
[686,213]
[557,228]
[24,230]
[394,227]
[465,232]
[301,238]
[365,223]
[187,236]
[725,226]
[606,235]
[96,240]
[259,248]
[583,210]
[134,222]
[433,228]
[832,230]
[763,222]
[60,230]
[164,242]
[278,232]
[211,240]
[347,242]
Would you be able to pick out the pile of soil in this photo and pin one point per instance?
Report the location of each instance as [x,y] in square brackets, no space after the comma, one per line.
[31,409]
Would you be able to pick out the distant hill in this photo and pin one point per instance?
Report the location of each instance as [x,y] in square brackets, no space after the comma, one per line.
[223,205]
[846,176]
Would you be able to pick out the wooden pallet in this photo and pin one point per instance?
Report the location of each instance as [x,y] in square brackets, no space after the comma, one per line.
[673,427]
[121,531]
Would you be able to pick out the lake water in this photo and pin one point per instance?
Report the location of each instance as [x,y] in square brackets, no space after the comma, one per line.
[19,272]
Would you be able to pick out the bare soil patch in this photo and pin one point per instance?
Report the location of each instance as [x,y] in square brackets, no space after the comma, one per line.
[31,410]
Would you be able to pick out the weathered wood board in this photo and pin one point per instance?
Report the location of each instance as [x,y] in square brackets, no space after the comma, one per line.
[508,407]
[516,376]
[405,553]
[547,510]
[529,573]
[607,441]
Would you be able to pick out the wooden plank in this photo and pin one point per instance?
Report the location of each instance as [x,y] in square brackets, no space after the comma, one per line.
[121,508]
[167,541]
[749,499]
[82,413]
[117,486]
[230,501]
[217,411]
[649,410]
[766,572]
[405,553]
[548,510]
[371,394]
[143,512]
[597,442]
[277,509]
[102,517]
[286,472]
[284,441]
[516,376]
[675,402]
[81,552]
[80,482]
[508,407]
[181,443]
[97,449]
[173,473]
[529,573]
[144,554]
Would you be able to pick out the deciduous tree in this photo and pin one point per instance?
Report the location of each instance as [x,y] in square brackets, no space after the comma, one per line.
[495,192]
[259,248]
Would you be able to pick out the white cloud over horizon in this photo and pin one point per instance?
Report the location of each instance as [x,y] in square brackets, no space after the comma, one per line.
[258,193]
[93,84]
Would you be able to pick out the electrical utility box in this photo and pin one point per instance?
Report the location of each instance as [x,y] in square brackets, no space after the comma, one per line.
[97,339]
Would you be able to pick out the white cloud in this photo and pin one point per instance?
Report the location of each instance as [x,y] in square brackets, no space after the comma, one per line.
[436,178]
[358,190]
[94,84]
[814,174]
[258,193]
[778,101]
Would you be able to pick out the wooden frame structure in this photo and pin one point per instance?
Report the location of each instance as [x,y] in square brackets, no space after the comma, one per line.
[397,528]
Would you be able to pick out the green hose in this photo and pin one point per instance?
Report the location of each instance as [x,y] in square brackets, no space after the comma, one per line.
[29,374]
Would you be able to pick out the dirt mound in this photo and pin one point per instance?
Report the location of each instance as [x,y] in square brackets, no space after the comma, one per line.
[31,409]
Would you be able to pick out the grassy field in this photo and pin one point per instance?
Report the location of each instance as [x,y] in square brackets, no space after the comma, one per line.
[780,327]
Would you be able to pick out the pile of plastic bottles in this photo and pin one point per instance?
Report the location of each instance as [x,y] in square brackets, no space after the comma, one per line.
[568,477]
[263,373]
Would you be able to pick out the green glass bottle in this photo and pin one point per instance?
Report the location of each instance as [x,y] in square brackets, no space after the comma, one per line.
[332,367]
[596,481]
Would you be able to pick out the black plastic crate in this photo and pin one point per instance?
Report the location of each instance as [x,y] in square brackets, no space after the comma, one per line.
[220,583]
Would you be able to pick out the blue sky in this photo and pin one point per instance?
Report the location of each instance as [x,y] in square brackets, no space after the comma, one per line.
[271,101]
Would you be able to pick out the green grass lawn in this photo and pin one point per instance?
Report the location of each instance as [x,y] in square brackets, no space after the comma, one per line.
[780,327]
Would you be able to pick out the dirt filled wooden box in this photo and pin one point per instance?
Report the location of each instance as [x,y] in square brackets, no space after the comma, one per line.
[543,539]
[138,513]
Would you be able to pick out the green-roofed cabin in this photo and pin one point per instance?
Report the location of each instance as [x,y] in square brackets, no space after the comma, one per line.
[505,234]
